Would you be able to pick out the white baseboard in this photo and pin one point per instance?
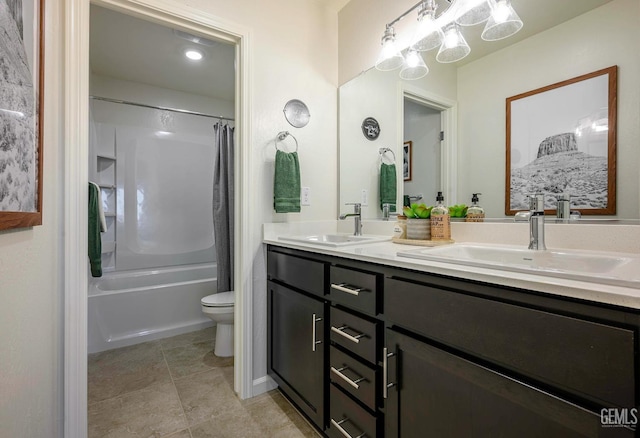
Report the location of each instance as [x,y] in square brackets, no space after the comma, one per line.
[263,384]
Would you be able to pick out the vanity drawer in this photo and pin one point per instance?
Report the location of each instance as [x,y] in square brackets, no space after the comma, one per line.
[354,333]
[347,415]
[355,289]
[586,358]
[353,377]
[298,272]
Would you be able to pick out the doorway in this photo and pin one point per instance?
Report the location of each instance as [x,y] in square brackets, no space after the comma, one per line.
[431,121]
[423,156]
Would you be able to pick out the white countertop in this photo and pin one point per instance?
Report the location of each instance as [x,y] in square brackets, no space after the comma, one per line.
[385,253]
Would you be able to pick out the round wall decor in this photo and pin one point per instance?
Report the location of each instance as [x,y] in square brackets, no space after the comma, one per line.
[370,128]
[296,113]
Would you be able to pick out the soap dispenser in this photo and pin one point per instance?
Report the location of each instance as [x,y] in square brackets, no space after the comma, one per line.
[475,213]
[440,220]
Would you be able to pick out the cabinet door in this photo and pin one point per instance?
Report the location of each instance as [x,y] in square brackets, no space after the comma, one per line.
[297,348]
[438,394]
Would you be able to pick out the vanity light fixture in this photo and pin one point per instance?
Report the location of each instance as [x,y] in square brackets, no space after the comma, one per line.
[193,54]
[444,31]
[390,57]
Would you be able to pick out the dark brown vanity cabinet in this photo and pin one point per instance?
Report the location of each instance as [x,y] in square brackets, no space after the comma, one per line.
[413,354]
[297,352]
[473,360]
[297,348]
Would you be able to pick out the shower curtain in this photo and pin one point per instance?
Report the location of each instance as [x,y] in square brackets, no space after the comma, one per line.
[223,204]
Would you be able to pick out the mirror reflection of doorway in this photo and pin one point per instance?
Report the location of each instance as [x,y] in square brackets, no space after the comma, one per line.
[422,127]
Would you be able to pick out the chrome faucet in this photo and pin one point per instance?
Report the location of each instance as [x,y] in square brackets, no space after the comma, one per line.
[563,210]
[536,222]
[386,211]
[357,215]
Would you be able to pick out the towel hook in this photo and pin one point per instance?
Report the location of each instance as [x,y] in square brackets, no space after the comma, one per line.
[282,135]
[383,151]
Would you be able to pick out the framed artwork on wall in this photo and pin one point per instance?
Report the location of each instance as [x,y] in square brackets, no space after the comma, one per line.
[561,140]
[406,160]
[21,107]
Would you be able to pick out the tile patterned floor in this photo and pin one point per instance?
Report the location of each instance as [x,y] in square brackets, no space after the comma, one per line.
[177,388]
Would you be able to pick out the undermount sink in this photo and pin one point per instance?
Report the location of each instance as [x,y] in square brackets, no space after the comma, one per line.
[600,267]
[335,240]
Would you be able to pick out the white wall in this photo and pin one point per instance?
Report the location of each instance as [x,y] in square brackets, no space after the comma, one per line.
[31,314]
[601,38]
[359,156]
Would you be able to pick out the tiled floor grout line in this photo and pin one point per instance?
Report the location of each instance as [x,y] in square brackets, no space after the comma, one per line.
[175,388]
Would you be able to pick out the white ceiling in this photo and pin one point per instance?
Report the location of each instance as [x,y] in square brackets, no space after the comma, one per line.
[131,49]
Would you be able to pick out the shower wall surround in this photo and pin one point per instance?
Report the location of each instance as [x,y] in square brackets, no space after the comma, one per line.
[156,169]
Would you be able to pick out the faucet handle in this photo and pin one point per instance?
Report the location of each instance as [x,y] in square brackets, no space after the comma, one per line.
[536,202]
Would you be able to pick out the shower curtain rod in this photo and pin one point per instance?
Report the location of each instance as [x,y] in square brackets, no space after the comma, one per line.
[175,110]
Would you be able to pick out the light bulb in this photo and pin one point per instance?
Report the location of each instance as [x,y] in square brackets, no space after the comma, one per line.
[412,59]
[193,55]
[451,38]
[501,11]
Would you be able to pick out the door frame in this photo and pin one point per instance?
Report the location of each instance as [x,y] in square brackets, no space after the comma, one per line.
[76,177]
[449,125]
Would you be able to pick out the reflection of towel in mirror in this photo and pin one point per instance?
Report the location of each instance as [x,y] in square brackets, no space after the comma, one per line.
[286,183]
[103,220]
[388,186]
[95,244]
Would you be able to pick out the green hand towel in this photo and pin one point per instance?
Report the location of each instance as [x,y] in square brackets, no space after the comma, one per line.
[388,186]
[95,244]
[286,183]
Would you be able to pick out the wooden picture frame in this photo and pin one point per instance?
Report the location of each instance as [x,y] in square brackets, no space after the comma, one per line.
[407,160]
[562,139]
[21,113]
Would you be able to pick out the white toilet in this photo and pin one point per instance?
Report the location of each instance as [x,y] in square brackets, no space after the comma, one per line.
[219,307]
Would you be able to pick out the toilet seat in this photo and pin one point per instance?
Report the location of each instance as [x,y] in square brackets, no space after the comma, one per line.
[223,299]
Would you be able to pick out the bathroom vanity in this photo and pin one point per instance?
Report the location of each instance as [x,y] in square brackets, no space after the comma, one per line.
[371,349]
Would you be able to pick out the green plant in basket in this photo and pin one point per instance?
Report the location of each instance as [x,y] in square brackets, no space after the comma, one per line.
[458,210]
[417,211]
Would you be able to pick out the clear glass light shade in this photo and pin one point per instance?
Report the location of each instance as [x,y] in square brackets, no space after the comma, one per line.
[454,47]
[414,66]
[390,57]
[428,34]
[503,22]
[474,12]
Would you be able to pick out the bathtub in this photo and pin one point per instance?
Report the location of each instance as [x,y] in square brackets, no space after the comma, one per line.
[130,307]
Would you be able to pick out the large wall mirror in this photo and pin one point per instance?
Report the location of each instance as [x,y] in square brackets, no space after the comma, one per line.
[466,101]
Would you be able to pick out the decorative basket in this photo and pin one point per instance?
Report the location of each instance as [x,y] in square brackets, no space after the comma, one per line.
[418,229]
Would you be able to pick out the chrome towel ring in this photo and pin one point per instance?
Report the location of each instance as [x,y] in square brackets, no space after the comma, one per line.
[383,151]
[281,136]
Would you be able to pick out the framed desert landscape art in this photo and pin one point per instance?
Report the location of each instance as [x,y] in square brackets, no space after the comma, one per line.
[21,106]
[561,139]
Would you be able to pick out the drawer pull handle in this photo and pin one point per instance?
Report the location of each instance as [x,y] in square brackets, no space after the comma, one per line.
[341,332]
[354,383]
[338,425]
[313,333]
[385,378]
[343,288]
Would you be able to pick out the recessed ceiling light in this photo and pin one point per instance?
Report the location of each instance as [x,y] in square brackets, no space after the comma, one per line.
[194,55]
